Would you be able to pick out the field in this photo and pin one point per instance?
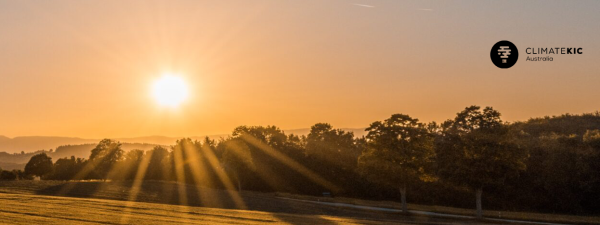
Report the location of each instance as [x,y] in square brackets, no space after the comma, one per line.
[57,202]
[35,209]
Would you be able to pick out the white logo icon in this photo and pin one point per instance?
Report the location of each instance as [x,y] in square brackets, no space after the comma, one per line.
[505,52]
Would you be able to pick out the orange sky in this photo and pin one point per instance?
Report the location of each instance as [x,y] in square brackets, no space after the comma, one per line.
[85,68]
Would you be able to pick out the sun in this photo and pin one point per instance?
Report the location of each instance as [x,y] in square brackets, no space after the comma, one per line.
[169,91]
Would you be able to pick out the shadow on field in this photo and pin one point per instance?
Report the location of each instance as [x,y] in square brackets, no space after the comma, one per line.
[179,194]
[191,195]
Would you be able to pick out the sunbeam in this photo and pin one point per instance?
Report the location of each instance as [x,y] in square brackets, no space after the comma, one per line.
[239,148]
[180,176]
[198,169]
[225,180]
[137,183]
[290,162]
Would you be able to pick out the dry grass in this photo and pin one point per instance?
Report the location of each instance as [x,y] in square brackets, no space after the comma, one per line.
[36,209]
[26,202]
[108,202]
[527,216]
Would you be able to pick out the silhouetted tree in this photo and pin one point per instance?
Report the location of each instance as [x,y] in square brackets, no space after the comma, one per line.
[271,135]
[333,154]
[399,152]
[158,167]
[475,150]
[131,163]
[104,157]
[39,165]
[333,146]
[64,169]
[8,175]
[208,160]
[237,159]
[279,160]
[21,175]
[183,156]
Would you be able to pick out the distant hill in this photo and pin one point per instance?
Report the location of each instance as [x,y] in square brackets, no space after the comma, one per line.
[3,139]
[34,143]
[12,166]
[37,143]
[17,160]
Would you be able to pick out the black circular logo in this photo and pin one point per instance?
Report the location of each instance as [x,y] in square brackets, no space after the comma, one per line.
[504,54]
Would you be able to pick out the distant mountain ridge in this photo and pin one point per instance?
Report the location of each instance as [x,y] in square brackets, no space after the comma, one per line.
[10,161]
[36,143]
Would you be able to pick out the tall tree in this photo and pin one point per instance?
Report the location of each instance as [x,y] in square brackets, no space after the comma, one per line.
[475,150]
[399,152]
[237,159]
[39,165]
[182,154]
[64,169]
[105,156]
[158,164]
[67,168]
[271,135]
[332,153]
[278,160]
[334,146]
[132,162]
[213,174]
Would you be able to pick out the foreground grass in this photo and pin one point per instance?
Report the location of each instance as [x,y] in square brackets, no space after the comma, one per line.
[526,216]
[169,202]
[42,202]
[36,209]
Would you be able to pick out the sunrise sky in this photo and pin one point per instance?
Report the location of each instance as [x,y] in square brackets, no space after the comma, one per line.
[87,68]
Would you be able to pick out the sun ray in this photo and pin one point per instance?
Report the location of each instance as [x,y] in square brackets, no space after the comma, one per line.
[214,163]
[82,174]
[178,164]
[269,177]
[180,176]
[137,183]
[198,169]
[290,163]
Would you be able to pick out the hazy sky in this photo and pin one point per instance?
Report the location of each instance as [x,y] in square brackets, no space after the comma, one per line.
[85,68]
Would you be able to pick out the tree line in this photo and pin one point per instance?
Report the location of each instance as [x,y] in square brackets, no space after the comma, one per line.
[549,164]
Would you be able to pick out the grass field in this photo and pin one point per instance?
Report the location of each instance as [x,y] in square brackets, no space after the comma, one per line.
[59,202]
[527,216]
[36,209]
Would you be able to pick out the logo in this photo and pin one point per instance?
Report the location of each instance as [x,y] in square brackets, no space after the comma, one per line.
[504,54]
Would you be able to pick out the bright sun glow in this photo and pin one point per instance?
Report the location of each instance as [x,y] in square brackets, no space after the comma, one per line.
[169,91]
